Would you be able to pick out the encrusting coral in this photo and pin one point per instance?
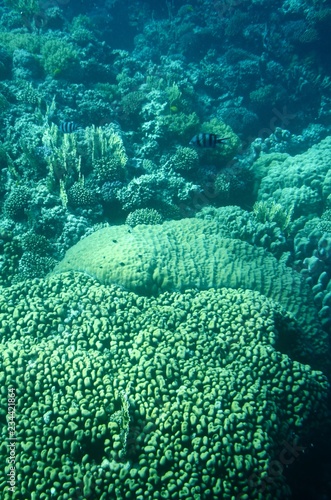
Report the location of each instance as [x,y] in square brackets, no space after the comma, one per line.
[187,395]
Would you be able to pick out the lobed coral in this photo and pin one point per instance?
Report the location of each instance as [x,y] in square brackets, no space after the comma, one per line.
[183,435]
[234,222]
[184,395]
[11,252]
[192,253]
[300,183]
[312,251]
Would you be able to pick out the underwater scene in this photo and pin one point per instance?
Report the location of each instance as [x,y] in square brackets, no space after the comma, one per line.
[165,249]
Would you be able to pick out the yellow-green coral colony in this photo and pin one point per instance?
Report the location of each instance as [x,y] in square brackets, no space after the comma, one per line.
[185,394]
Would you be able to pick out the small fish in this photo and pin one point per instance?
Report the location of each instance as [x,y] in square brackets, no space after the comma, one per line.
[204,140]
[68,127]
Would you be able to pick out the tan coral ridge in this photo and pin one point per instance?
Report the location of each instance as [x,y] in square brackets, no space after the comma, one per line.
[190,253]
[184,395]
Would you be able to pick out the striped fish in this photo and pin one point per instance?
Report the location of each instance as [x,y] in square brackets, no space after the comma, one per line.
[68,127]
[204,140]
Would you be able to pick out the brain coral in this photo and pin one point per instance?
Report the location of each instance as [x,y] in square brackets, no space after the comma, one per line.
[192,253]
[122,396]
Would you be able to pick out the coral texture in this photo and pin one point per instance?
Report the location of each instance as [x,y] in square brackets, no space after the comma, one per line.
[191,253]
[300,183]
[185,395]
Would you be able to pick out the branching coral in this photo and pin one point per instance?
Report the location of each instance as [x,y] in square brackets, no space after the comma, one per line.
[269,211]
[17,203]
[63,159]
[99,150]
[184,160]
[105,152]
[26,7]
[58,56]
[144,216]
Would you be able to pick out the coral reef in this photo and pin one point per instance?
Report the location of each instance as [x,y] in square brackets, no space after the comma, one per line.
[96,151]
[185,160]
[59,57]
[235,222]
[265,211]
[17,203]
[32,265]
[301,183]
[156,189]
[192,253]
[234,184]
[11,252]
[79,195]
[224,153]
[117,393]
[137,84]
[144,216]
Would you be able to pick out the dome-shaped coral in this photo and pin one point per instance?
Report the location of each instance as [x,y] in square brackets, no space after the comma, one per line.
[185,394]
[192,253]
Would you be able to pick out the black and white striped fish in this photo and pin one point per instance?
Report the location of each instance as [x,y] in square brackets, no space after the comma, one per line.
[205,140]
[68,127]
